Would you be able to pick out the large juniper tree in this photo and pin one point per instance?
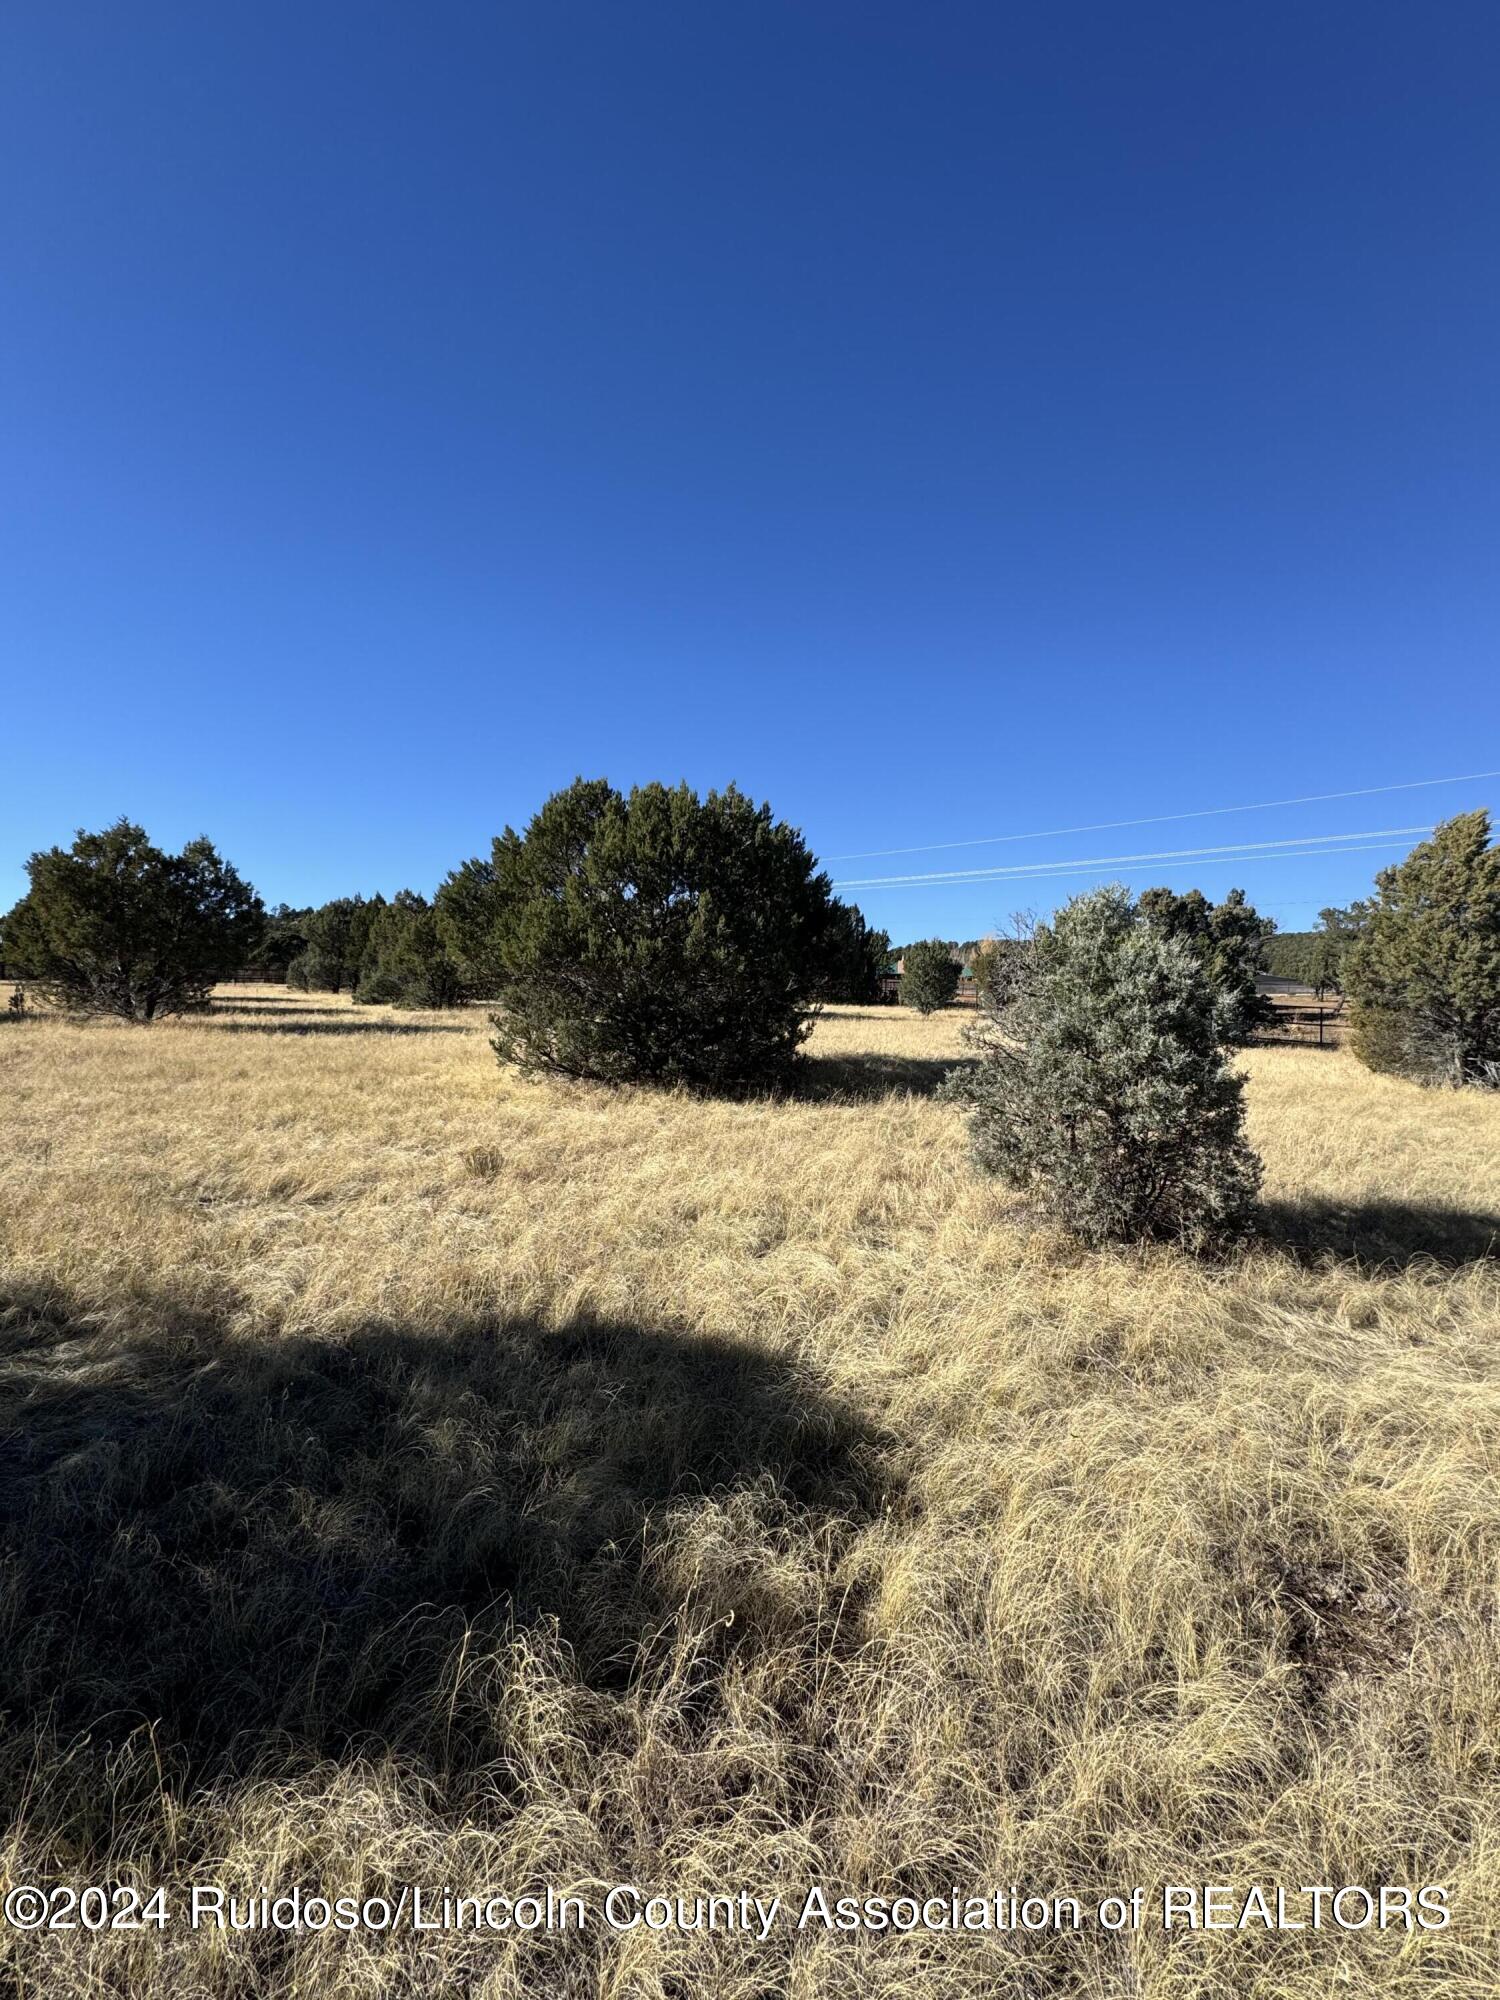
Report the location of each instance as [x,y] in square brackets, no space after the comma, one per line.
[929,975]
[657,936]
[112,925]
[856,956]
[1103,1087]
[338,936]
[466,910]
[406,960]
[1424,972]
[283,940]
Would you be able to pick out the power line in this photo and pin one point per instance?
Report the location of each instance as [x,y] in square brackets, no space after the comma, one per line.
[1160,819]
[1248,850]
[1085,868]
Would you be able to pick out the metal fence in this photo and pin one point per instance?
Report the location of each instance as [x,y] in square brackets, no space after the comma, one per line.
[1308,1027]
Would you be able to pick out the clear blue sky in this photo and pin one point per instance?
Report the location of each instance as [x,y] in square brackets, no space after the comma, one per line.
[944,420]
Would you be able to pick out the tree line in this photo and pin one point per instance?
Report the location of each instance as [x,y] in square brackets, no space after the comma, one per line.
[660,937]
[1316,958]
[656,935]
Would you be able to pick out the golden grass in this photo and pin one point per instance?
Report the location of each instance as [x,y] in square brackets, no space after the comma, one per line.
[409,1473]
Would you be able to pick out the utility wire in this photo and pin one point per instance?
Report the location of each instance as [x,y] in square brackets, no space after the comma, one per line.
[1160,819]
[1087,868]
[1247,850]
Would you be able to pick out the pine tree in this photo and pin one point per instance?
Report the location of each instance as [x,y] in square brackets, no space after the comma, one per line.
[1337,932]
[656,936]
[1424,973]
[284,939]
[338,935]
[406,961]
[466,910]
[312,971]
[1103,1087]
[856,957]
[929,975]
[115,926]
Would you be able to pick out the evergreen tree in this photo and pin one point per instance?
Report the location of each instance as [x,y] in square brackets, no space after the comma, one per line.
[283,939]
[1337,932]
[115,926]
[1292,955]
[929,975]
[1103,1087]
[1228,940]
[856,957]
[311,971]
[467,912]
[1424,972]
[406,961]
[657,936]
[338,935]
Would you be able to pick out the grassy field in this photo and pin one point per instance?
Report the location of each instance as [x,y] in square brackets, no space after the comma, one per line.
[409,1474]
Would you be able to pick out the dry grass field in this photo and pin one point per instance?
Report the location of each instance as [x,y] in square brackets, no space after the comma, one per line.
[409,1474]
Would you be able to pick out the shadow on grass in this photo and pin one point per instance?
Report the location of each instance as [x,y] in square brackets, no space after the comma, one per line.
[262,1009]
[1381,1233]
[342,1027]
[277,1549]
[857,1079]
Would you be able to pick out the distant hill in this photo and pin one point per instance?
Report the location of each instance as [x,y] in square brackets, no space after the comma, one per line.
[1291,955]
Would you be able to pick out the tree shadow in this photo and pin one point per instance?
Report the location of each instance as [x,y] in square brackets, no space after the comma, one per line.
[1380,1233]
[342,1027]
[859,1079]
[278,1549]
[260,1010]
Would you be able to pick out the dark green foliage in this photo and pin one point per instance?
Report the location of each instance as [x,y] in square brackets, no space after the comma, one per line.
[658,936]
[856,956]
[283,939]
[1384,1039]
[311,971]
[963,949]
[466,908]
[1102,1086]
[330,961]
[1337,933]
[338,936]
[406,962]
[1228,940]
[113,925]
[929,976]
[1290,955]
[1316,958]
[1327,962]
[1424,971]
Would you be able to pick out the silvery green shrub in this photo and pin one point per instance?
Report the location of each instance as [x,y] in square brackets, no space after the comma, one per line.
[1103,1087]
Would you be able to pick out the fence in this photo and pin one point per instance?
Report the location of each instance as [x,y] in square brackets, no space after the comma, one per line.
[965,994]
[1309,1027]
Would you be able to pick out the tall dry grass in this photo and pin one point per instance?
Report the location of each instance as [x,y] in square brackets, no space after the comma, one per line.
[410,1474]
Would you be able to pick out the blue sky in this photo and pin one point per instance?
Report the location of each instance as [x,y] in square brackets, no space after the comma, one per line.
[944,420]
